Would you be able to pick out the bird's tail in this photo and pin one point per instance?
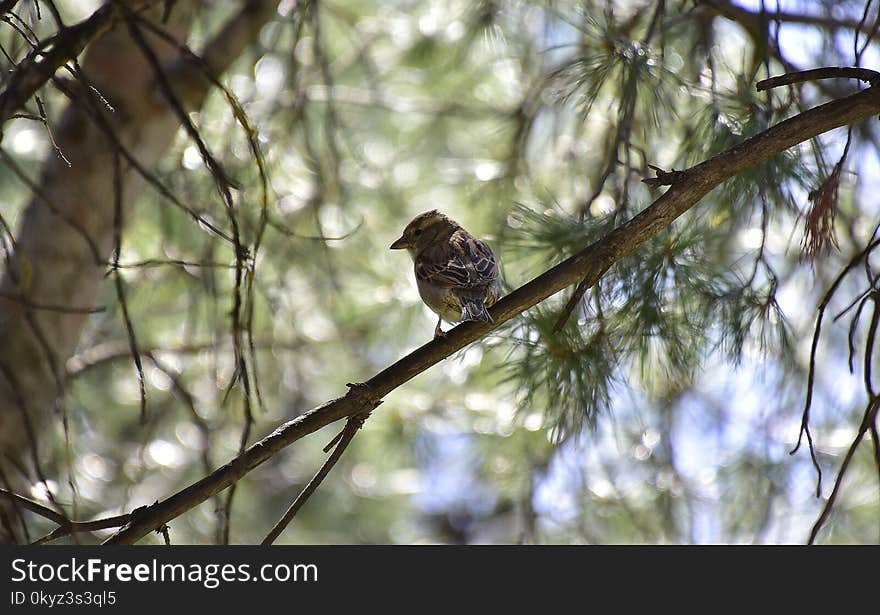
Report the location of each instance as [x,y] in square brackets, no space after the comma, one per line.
[473,309]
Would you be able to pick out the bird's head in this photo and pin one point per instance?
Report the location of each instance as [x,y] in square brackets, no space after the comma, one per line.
[424,230]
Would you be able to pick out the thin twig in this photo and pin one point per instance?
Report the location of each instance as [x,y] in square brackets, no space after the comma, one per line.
[811,373]
[113,351]
[35,507]
[41,198]
[65,527]
[875,443]
[868,420]
[342,441]
[120,286]
[828,72]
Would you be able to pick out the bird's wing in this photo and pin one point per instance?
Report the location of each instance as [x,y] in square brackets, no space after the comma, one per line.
[464,262]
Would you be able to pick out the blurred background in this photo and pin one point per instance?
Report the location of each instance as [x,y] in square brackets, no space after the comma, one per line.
[664,411]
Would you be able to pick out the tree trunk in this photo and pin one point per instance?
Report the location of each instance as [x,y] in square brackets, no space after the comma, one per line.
[66,234]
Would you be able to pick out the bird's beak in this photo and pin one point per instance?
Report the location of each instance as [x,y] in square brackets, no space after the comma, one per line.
[400,244]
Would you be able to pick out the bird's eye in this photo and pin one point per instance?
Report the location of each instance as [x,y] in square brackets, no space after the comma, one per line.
[417,232]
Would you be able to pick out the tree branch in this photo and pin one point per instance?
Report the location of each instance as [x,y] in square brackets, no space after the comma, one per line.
[830,72]
[40,65]
[590,263]
[65,525]
[751,19]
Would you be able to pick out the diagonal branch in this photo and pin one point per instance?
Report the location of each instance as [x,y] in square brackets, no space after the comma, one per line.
[40,64]
[590,263]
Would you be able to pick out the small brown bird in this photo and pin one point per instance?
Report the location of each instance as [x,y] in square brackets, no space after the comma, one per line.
[457,274]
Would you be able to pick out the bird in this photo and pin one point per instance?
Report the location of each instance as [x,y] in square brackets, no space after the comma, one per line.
[456,273]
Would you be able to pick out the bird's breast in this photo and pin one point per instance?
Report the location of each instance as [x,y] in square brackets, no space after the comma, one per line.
[443,301]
